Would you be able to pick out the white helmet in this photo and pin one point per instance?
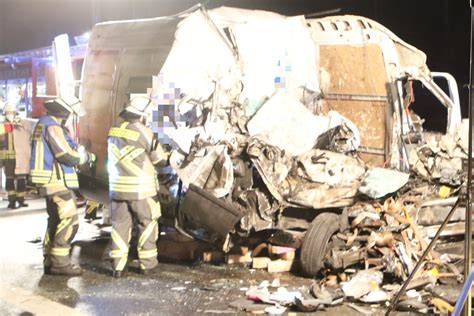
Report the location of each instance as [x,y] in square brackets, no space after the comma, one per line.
[9,107]
[63,106]
[138,106]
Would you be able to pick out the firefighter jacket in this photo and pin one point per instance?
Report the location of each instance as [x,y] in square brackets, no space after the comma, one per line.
[17,145]
[53,157]
[132,154]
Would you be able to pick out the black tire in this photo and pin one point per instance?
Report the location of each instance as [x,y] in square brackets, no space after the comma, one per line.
[315,243]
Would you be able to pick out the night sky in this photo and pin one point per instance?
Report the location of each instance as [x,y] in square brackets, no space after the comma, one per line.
[440,28]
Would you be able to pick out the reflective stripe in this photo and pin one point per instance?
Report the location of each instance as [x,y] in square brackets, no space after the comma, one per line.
[41,172]
[134,154]
[59,252]
[144,254]
[91,206]
[155,208]
[63,224]
[124,157]
[124,133]
[131,188]
[118,240]
[7,154]
[66,208]
[132,179]
[46,243]
[117,253]
[122,252]
[39,175]
[121,264]
[13,192]
[146,234]
[132,184]
[39,156]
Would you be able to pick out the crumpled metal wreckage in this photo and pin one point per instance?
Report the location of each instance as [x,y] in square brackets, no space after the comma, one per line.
[264,123]
[296,126]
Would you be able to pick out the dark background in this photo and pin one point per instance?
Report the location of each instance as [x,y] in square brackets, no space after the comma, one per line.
[440,28]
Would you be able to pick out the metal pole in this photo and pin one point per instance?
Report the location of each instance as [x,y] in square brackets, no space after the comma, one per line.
[468,230]
[423,256]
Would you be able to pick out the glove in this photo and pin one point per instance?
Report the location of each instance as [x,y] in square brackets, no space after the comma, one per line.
[17,121]
[8,127]
[85,157]
[91,158]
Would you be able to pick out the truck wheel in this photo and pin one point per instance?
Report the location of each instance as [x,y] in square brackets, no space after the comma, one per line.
[315,243]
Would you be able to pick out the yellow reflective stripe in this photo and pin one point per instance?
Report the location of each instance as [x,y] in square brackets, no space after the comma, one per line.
[41,171]
[144,254]
[134,185]
[41,150]
[122,252]
[72,183]
[2,129]
[118,154]
[132,180]
[133,168]
[131,189]
[63,224]
[91,205]
[134,154]
[11,192]
[7,154]
[125,156]
[155,208]
[146,234]
[66,207]
[60,252]
[118,253]
[121,264]
[124,133]
[21,194]
[119,241]
[46,243]
[39,156]
[39,180]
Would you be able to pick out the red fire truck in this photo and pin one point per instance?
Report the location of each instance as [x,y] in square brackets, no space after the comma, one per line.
[28,77]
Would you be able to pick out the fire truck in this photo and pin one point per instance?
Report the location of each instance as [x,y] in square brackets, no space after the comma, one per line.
[28,78]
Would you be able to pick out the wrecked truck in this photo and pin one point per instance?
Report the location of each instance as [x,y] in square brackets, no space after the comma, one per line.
[273,122]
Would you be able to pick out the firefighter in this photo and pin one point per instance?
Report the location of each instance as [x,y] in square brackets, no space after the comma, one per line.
[15,150]
[133,184]
[54,155]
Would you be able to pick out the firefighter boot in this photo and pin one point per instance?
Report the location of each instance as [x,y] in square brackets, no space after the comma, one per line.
[69,270]
[117,274]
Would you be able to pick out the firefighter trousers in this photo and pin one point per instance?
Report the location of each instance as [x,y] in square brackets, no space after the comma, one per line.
[63,223]
[145,213]
[14,193]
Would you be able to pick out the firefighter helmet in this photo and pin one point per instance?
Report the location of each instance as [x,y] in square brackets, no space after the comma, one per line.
[9,107]
[64,106]
[138,106]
